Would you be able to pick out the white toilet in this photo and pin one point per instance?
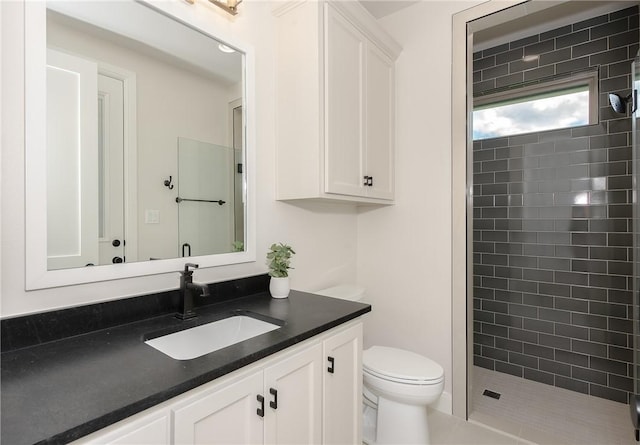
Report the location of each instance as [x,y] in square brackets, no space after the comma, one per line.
[398,386]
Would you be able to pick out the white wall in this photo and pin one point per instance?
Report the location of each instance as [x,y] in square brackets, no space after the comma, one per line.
[323,235]
[404,251]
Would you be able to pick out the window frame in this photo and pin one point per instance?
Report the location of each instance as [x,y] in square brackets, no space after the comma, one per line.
[588,78]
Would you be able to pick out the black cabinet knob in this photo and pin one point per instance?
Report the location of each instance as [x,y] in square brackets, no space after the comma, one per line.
[115,243]
[117,260]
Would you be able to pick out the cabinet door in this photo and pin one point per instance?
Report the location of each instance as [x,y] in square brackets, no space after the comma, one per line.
[379,122]
[152,429]
[344,48]
[293,390]
[226,416]
[342,382]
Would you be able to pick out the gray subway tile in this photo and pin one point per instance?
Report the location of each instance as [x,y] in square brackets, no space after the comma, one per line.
[571,304]
[484,63]
[578,278]
[495,330]
[509,56]
[590,321]
[608,309]
[508,296]
[589,293]
[621,354]
[494,353]
[509,80]
[620,296]
[571,331]
[554,264]
[589,266]
[606,57]
[522,335]
[574,38]
[555,341]
[537,300]
[483,362]
[621,383]
[508,320]
[508,368]
[608,253]
[523,360]
[593,46]
[539,376]
[572,384]
[538,325]
[572,358]
[554,315]
[508,345]
[575,64]
[495,71]
[589,239]
[523,310]
[555,367]
[610,281]
[554,289]
[609,28]
[589,375]
[538,351]
[589,348]
[606,365]
[620,325]
[608,337]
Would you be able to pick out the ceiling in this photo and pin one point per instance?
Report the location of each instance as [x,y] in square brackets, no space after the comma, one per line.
[382,8]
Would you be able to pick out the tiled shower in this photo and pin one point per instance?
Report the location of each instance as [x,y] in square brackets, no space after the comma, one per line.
[552,221]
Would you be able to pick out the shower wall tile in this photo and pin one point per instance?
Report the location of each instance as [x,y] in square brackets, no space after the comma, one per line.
[552,221]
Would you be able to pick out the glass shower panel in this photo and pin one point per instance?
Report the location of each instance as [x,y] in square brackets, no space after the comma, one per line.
[206,198]
[635,399]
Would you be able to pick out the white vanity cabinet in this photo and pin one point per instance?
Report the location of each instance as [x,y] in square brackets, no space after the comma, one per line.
[280,404]
[335,104]
[342,387]
[310,393]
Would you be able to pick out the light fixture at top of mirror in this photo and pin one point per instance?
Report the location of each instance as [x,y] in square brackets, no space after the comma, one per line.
[231,6]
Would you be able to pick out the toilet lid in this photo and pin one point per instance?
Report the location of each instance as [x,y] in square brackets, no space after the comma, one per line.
[400,365]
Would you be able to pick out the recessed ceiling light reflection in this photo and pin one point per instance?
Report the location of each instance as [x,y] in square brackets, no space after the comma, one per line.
[226,49]
[581,199]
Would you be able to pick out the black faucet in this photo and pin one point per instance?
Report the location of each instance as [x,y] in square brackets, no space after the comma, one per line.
[187,288]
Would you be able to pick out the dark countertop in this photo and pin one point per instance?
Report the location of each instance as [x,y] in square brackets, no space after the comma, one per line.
[59,391]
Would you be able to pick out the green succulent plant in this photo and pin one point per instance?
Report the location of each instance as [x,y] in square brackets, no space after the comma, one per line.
[279,260]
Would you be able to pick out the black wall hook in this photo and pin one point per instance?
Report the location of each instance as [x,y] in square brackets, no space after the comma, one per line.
[167,183]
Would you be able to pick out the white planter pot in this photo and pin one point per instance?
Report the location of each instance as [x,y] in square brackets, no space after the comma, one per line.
[279,287]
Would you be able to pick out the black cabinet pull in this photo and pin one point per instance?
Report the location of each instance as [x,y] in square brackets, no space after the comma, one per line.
[331,367]
[260,411]
[274,404]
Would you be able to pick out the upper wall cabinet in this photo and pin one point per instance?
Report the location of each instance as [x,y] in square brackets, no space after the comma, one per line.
[335,108]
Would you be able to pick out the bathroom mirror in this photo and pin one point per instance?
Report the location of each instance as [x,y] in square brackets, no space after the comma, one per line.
[139,153]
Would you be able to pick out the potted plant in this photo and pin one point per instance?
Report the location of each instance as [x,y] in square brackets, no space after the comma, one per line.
[279,260]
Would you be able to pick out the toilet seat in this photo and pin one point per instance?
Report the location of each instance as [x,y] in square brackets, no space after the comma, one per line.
[397,365]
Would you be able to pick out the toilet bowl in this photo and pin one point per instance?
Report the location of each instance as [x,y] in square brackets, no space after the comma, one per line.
[405,383]
[398,387]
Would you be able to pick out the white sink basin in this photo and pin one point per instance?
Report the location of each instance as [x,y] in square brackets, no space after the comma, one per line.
[200,340]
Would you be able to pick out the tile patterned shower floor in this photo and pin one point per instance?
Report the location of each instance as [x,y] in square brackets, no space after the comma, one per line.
[546,415]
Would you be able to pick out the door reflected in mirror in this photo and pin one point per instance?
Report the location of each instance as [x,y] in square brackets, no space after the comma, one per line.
[135,98]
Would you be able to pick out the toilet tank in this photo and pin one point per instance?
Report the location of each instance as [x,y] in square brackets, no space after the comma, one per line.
[352,292]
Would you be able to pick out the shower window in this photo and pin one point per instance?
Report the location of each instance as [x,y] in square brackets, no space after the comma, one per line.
[547,105]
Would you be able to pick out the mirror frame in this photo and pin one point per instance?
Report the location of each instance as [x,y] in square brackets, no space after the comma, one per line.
[37,276]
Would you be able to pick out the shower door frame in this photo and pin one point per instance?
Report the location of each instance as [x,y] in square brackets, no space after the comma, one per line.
[462,199]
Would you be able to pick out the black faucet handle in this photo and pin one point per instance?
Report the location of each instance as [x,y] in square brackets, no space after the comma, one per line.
[188,265]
